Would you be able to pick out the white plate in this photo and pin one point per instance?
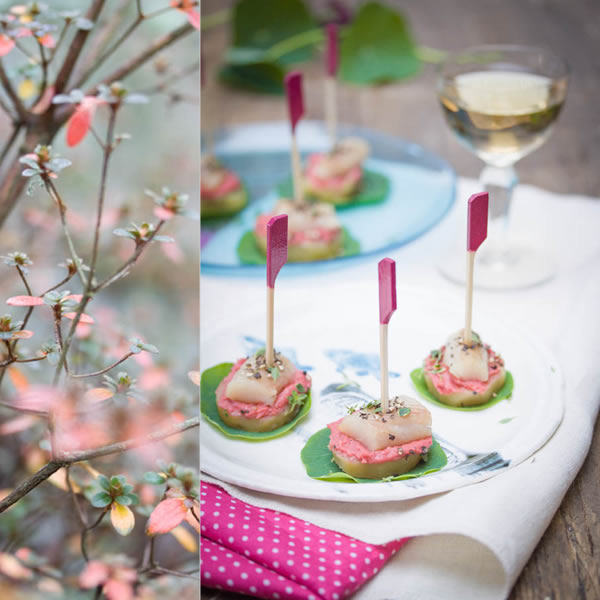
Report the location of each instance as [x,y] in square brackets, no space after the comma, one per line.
[336,339]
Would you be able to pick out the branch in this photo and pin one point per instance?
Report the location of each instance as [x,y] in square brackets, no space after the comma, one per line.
[140,59]
[75,48]
[106,369]
[73,457]
[125,267]
[10,92]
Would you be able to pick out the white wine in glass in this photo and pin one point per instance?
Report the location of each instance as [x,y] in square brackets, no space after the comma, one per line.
[501,102]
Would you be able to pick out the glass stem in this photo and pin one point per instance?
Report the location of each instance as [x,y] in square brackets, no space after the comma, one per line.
[499,182]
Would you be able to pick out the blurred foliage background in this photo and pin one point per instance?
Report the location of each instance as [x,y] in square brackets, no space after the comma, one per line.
[157,301]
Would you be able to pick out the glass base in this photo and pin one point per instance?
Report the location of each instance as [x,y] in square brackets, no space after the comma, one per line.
[515,265]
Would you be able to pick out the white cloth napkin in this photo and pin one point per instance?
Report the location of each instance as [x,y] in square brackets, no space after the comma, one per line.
[474,541]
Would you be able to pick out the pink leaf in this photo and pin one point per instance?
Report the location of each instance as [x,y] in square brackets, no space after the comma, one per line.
[35,397]
[164,214]
[193,18]
[173,252]
[76,297]
[118,590]
[17,425]
[98,394]
[25,301]
[18,379]
[81,121]
[84,318]
[25,334]
[194,377]
[12,568]
[166,516]
[47,41]
[6,45]
[93,575]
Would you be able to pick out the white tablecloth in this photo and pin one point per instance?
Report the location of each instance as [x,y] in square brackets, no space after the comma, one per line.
[474,541]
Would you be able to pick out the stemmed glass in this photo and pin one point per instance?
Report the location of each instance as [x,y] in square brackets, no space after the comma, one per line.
[501,101]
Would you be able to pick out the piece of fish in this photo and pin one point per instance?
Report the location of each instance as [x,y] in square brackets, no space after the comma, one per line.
[246,386]
[466,362]
[378,430]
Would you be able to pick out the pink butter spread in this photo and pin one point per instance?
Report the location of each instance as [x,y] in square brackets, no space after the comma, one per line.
[353,450]
[259,410]
[295,238]
[446,383]
[229,183]
[337,183]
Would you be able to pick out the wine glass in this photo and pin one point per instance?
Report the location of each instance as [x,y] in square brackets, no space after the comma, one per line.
[502,101]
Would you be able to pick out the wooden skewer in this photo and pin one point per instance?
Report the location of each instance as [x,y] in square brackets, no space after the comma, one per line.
[387,306]
[469,298]
[477,219]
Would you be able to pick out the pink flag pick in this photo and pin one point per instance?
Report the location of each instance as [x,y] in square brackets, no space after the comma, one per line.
[293,92]
[277,234]
[477,220]
[332,50]
[387,290]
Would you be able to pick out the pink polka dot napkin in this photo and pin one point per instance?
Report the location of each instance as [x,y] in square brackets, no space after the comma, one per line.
[268,554]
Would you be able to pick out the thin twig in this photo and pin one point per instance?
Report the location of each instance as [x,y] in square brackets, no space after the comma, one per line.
[22,275]
[59,284]
[61,38]
[126,266]
[87,529]
[11,140]
[10,92]
[137,61]
[162,85]
[73,457]
[51,189]
[105,370]
[75,48]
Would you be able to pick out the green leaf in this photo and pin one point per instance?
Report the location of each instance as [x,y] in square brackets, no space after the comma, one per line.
[208,406]
[378,47]
[373,189]
[261,24]
[117,480]
[101,499]
[249,253]
[123,500]
[318,461]
[103,482]
[134,498]
[154,478]
[264,77]
[502,394]
[404,411]
[274,373]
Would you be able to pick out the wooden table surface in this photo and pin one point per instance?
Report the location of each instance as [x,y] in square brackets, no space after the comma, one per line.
[565,564]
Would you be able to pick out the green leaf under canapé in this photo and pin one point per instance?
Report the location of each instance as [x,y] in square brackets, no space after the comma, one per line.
[210,380]
[373,189]
[377,47]
[319,464]
[503,393]
[250,254]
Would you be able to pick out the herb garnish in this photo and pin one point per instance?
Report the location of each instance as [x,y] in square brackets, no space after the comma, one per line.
[298,396]
[274,372]
[404,411]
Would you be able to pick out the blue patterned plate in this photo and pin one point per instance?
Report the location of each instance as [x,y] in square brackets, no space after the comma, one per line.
[422,189]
